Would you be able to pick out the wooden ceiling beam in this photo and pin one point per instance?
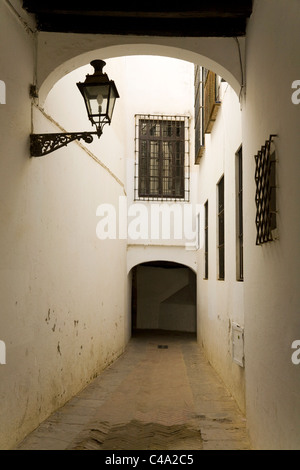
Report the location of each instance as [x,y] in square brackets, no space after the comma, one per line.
[204,18]
[228,27]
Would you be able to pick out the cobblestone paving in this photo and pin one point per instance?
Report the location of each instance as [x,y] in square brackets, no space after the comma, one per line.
[160,394]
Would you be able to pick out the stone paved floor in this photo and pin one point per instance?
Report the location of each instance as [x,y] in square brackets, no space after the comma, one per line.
[152,398]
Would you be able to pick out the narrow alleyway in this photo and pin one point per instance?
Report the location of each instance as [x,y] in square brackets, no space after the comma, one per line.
[160,394]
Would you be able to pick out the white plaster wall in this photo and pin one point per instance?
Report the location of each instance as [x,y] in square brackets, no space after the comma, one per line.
[272,299]
[137,254]
[57,279]
[159,86]
[221,302]
[156,85]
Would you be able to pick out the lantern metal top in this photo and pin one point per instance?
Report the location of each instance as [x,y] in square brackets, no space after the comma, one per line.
[98,72]
[98,65]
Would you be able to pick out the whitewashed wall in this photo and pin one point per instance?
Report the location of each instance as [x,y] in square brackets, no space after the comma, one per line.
[57,279]
[272,301]
[159,86]
[220,303]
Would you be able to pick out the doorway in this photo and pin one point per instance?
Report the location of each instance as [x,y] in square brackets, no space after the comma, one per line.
[164,297]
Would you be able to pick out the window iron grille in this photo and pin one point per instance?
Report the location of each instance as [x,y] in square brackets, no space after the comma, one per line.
[265,197]
[162,167]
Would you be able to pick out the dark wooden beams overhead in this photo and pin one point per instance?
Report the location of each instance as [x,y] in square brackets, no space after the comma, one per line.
[220,18]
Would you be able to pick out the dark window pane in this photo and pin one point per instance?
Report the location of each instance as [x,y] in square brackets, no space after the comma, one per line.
[221,236]
[206,240]
[239,215]
[221,263]
[143,128]
[221,229]
[221,195]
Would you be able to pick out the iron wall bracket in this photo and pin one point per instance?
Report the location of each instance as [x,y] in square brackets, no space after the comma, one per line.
[43,144]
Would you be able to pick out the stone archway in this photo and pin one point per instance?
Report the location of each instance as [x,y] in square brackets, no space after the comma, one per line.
[60,54]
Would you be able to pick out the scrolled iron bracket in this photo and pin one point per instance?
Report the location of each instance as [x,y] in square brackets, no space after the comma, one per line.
[43,144]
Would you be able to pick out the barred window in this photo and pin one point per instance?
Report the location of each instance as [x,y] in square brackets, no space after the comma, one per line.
[162,160]
[206,240]
[221,231]
[239,215]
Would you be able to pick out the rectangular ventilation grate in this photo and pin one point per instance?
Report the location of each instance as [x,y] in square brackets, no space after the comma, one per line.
[162,346]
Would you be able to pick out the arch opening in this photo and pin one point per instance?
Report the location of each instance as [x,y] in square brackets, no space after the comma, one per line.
[163,298]
[226,64]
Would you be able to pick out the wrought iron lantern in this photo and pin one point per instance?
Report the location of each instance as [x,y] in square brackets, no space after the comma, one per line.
[99,94]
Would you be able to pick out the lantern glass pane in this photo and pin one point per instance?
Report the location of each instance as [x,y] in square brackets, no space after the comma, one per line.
[97,97]
[113,96]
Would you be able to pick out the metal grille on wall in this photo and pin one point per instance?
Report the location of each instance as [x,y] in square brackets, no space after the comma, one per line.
[162,161]
[265,196]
